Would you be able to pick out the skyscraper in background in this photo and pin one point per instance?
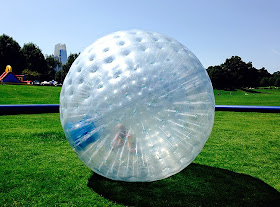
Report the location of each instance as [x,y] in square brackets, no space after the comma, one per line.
[60,54]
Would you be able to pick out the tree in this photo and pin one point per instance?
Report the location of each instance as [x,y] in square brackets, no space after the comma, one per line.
[277,82]
[265,81]
[252,76]
[61,74]
[263,73]
[31,75]
[58,76]
[238,70]
[34,59]
[52,64]
[10,54]
[235,73]
[276,78]
[219,77]
[69,63]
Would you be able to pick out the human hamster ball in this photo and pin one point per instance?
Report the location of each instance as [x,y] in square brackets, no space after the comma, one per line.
[137,106]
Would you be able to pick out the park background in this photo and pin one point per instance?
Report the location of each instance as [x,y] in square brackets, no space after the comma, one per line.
[236,41]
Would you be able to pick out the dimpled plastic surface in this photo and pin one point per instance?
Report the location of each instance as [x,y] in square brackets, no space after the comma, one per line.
[137,106]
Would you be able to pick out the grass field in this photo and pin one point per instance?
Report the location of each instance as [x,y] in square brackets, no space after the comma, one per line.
[38,167]
[239,165]
[257,97]
[24,94]
[28,94]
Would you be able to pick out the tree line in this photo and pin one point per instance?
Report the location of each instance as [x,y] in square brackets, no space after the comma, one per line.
[235,73]
[29,61]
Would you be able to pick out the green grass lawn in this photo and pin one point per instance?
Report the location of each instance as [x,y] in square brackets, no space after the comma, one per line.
[25,94]
[239,165]
[38,167]
[28,94]
[258,97]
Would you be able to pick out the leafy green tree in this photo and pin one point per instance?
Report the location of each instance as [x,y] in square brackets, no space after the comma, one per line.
[34,59]
[276,78]
[219,77]
[265,81]
[71,59]
[252,76]
[10,54]
[61,74]
[235,73]
[277,82]
[263,77]
[58,76]
[31,75]
[52,64]
[238,71]
[263,72]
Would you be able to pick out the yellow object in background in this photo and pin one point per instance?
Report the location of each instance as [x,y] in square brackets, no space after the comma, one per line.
[8,68]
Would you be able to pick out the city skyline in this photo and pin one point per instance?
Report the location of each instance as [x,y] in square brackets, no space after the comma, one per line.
[213,31]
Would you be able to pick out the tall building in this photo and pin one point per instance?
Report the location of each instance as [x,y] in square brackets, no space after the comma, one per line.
[60,54]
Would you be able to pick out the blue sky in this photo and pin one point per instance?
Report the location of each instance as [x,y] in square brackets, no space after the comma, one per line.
[212,29]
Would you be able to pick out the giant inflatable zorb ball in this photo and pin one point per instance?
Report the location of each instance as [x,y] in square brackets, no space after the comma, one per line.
[137,106]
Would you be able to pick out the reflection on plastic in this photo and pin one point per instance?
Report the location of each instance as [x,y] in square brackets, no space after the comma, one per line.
[137,106]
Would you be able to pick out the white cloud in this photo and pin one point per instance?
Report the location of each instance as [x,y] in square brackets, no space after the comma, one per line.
[276,51]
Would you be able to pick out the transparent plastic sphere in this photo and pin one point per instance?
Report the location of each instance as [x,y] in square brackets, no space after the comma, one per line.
[137,106]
